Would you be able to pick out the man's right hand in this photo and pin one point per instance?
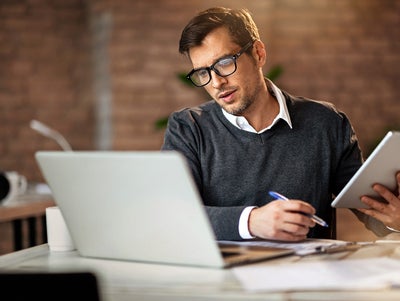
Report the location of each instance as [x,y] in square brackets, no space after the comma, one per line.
[282,220]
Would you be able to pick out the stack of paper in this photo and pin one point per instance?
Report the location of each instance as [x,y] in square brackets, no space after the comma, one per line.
[309,246]
[354,274]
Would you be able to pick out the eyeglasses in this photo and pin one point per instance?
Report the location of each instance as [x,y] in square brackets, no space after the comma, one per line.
[223,67]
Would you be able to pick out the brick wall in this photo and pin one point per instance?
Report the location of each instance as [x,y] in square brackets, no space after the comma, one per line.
[346,52]
[44,75]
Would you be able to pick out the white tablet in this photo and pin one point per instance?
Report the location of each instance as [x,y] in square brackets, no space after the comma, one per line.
[380,167]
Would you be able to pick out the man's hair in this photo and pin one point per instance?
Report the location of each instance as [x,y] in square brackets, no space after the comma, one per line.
[239,23]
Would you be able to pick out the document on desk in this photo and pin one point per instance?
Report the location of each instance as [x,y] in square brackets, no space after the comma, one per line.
[352,274]
[306,247]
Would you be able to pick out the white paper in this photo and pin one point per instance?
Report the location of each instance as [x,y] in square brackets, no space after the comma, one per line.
[306,247]
[354,274]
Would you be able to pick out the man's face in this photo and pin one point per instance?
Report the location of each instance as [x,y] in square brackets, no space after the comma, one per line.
[236,92]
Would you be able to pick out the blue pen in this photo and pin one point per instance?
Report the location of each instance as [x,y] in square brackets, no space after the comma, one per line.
[315,218]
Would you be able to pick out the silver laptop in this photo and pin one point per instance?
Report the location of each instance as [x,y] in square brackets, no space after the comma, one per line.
[138,206]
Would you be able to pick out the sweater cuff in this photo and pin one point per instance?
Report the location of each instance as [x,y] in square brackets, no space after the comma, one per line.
[244,223]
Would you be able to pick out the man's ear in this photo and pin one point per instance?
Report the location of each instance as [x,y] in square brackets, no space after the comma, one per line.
[259,53]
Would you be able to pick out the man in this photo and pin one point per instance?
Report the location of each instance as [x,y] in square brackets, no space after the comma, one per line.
[253,138]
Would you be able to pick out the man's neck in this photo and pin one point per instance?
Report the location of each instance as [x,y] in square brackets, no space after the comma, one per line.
[263,111]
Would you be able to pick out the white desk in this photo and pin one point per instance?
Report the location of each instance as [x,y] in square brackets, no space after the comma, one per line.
[120,280]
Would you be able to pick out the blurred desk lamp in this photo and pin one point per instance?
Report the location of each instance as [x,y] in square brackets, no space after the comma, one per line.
[50,133]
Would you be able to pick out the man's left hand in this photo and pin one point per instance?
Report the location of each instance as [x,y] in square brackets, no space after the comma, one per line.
[388,213]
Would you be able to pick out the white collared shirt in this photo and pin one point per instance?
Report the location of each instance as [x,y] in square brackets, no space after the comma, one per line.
[242,123]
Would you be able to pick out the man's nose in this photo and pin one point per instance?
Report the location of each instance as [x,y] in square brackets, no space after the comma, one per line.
[216,80]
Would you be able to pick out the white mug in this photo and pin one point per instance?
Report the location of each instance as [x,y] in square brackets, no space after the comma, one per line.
[58,237]
[12,184]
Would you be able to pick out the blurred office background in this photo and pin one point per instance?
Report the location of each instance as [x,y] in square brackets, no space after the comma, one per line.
[104,72]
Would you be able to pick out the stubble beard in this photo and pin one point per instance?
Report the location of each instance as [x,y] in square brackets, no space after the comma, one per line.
[241,108]
[244,104]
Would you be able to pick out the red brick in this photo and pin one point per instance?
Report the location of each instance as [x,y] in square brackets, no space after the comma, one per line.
[346,52]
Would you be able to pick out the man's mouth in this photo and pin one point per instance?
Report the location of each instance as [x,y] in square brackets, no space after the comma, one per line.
[226,96]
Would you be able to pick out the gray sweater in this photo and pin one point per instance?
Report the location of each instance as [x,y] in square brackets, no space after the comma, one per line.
[234,169]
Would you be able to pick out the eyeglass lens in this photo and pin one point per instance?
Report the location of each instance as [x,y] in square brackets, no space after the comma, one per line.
[223,67]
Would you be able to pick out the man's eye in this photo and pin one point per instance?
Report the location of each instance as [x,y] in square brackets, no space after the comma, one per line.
[202,73]
[224,63]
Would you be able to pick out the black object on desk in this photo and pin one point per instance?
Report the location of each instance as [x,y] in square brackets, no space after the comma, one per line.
[49,286]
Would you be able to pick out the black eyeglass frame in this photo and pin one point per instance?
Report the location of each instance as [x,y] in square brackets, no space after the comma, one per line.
[212,67]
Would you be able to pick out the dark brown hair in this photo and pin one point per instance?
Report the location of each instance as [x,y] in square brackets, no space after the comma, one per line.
[238,21]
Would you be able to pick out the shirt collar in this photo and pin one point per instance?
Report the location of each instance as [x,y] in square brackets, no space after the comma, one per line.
[242,123]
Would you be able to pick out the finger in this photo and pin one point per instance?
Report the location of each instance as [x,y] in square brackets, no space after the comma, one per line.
[386,194]
[295,229]
[375,214]
[391,220]
[301,219]
[299,206]
[374,204]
